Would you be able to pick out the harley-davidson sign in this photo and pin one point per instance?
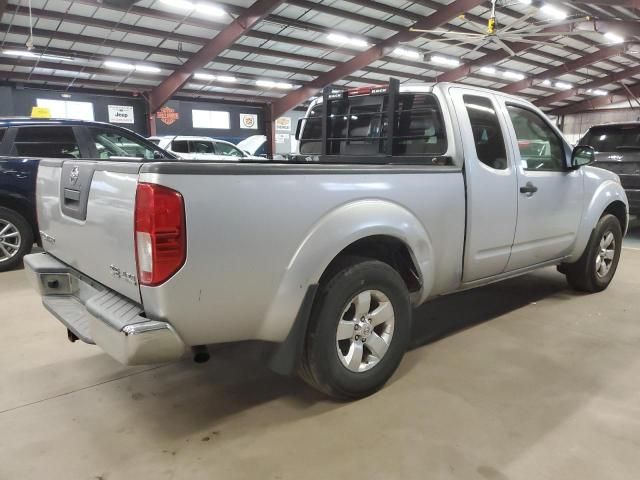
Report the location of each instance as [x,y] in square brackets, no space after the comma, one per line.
[167,115]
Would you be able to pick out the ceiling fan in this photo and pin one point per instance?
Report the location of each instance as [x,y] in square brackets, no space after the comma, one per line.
[519,31]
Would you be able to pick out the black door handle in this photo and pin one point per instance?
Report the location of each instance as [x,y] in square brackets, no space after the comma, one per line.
[529,189]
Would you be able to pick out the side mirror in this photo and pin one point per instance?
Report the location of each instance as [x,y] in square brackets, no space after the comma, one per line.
[298,128]
[157,155]
[582,155]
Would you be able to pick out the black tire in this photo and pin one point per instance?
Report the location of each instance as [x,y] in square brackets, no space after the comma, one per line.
[25,243]
[321,366]
[582,275]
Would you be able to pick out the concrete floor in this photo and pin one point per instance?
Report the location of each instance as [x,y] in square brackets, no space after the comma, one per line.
[519,380]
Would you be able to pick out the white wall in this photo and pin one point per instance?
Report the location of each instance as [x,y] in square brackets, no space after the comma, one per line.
[576,125]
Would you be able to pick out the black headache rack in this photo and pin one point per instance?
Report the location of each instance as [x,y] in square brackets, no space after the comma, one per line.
[376,125]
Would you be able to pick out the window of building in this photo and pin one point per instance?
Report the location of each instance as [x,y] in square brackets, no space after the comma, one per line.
[68,109]
[210,119]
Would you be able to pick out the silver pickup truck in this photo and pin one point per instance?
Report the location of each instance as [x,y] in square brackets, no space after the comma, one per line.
[399,195]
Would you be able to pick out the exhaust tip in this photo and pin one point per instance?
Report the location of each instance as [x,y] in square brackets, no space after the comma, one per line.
[200,354]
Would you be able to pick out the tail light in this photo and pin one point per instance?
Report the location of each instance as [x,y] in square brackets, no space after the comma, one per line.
[161,243]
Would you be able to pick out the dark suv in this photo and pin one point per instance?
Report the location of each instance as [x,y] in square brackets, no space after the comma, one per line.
[23,141]
[617,148]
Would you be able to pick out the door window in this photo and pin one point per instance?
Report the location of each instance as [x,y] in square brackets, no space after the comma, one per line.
[540,147]
[45,141]
[180,146]
[201,146]
[111,143]
[487,133]
[226,149]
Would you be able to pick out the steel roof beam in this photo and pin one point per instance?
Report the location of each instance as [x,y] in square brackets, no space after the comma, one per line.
[567,94]
[214,47]
[438,18]
[568,67]
[594,103]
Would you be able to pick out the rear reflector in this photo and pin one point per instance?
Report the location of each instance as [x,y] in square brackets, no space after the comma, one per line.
[161,244]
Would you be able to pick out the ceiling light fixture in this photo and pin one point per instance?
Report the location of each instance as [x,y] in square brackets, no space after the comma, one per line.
[204,8]
[613,38]
[488,70]
[553,12]
[408,53]
[147,69]
[272,84]
[564,86]
[513,75]
[42,56]
[448,61]
[204,76]
[546,83]
[600,93]
[227,79]
[118,65]
[343,39]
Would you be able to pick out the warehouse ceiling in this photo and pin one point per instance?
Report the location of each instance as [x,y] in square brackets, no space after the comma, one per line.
[578,55]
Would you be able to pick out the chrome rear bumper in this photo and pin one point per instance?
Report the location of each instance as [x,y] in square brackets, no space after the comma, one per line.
[96,314]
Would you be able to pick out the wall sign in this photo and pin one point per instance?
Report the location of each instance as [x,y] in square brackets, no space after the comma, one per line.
[249,121]
[282,137]
[167,115]
[121,114]
[283,124]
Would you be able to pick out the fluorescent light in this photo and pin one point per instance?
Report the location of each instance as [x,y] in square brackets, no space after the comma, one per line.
[272,84]
[43,56]
[204,76]
[448,61]
[20,53]
[488,70]
[405,52]
[208,9]
[600,93]
[525,2]
[564,86]
[513,75]
[227,79]
[118,65]
[147,69]
[554,12]
[343,39]
[184,4]
[613,38]
[547,83]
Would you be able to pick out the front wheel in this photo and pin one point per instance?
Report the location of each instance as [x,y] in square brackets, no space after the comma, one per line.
[596,267]
[359,330]
[16,238]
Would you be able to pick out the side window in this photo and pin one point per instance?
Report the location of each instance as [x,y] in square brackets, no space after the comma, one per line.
[45,141]
[112,143]
[226,149]
[487,134]
[201,146]
[180,146]
[540,147]
[312,132]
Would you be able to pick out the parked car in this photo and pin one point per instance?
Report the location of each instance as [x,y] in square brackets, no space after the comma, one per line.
[256,147]
[400,204]
[617,147]
[201,148]
[23,139]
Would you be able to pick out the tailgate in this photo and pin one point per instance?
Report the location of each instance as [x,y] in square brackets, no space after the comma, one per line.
[86,218]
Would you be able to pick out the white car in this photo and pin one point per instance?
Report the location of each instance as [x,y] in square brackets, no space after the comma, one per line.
[200,148]
[256,147]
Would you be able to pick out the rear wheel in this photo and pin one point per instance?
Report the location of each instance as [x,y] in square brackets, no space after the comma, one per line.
[359,330]
[16,238]
[596,267]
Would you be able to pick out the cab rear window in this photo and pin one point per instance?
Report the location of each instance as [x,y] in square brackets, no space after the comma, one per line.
[358,127]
